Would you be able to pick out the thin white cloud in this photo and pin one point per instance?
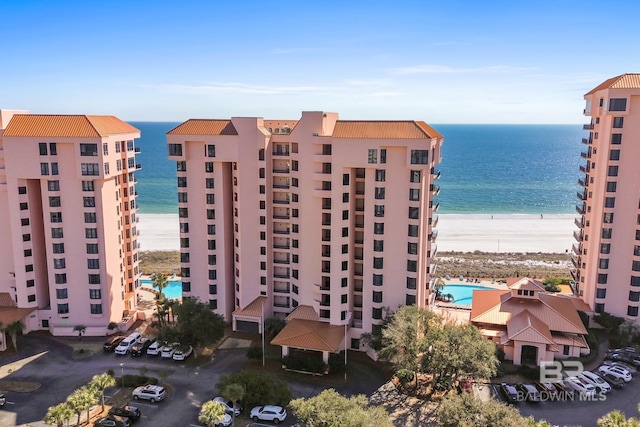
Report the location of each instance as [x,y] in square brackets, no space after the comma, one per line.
[445,69]
[388,94]
[243,88]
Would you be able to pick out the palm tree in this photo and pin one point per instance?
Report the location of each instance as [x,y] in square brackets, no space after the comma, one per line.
[234,393]
[58,414]
[211,412]
[14,329]
[437,286]
[100,383]
[160,281]
[274,324]
[75,401]
[80,329]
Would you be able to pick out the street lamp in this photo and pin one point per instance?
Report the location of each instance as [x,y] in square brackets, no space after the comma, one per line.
[122,374]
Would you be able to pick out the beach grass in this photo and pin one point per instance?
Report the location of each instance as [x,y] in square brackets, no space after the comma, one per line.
[167,262]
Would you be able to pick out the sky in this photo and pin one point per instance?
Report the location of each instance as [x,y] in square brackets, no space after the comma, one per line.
[446,61]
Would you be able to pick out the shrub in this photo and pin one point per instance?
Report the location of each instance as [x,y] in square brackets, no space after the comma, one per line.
[405,376]
[301,363]
[529,372]
[111,373]
[259,389]
[138,380]
[336,363]
[254,352]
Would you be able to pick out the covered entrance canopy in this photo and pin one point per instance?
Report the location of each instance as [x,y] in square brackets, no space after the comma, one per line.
[9,313]
[250,318]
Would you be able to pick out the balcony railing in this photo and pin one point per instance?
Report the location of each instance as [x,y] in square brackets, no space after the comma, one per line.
[286,216]
[281,261]
[282,275]
[282,290]
[580,209]
[277,246]
[579,222]
[587,141]
[281,231]
[585,155]
[575,260]
[585,168]
[435,207]
[578,235]
[282,202]
[280,153]
[577,249]
[582,195]
[588,126]
[582,182]
[437,175]
[280,169]
[281,186]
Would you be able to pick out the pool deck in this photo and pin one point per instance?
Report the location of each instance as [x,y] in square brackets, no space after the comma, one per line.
[461,314]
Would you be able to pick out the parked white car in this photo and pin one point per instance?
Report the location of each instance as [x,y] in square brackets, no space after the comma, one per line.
[581,386]
[268,413]
[181,354]
[154,349]
[152,393]
[228,405]
[616,371]
[600,384]
[166,352]
[225,422]
[126,344]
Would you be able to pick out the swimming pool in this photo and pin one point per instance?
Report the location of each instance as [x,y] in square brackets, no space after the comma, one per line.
[173,291]
[462,294]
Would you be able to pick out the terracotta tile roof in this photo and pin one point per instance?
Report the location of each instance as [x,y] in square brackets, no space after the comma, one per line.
[6,300]
[311,335]
[9,315]
[407,129]
[623,81]
[496,307]
[204,127]
[66,126]
[526,327]
[303,312]
[525,283]
[572,340]
[254,309]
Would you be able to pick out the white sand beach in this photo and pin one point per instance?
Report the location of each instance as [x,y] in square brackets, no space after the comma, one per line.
[456,232]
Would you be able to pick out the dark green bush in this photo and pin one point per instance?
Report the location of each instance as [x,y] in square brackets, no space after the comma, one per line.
[301,363]
[259,389]
[254,353]
[336,363]
[405,376]
[138,380]
[529,372]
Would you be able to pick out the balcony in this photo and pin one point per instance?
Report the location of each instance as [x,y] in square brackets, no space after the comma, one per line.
[282,216]
[138,166]
[579,222]
[587,141]
[434,221]
[281,201]
[137,150]
[282,260]
[280,169]
[585,155]
[435,189]
[433,252]
[433,236]
[281,246]
[356,323]
[582,182]
[281,152]
[580,209]
[284,231]
[282,275]
[282,290]
[582,195]
[585,168]
[359,224]
[436,175]
[577,249]
[435,207]
[284,186]
[588,126]
[578,235]
[575,260]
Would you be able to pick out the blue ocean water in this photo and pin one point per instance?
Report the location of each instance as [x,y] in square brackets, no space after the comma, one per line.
[492,169]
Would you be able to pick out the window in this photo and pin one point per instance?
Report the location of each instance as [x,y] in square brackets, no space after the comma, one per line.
[376,313]
[605,248]
[22,190]
[90,169]
[42,146]
[345,179]
[379,193]
[616,139]
[412,231]
[211,150]
[88,149]
[28,268]
[28,253]
[635,281]
[91,233]
[44,168]
[211,229]
[184,227]
[184,242]
[414,213]
[175,149]
[380,175]
[414,176]
[412,266]
[87,185]
[414,194]
[606,233]
[378,228]
[182,181]
[419,157]
[89,202]
[183,212]
[208,167]
[608,218]
[94,279]
[61,278]
[412,248]
[411,282]
[632,311]
[24,221]
[345,266]
[56,233]
[63,308]
[614,155]
[377,296]
[611,186]
[95,294]
[618,104]
[383,155]
[378,262]
[618,122]
[24,206]
[55,216]
[634,296]
[372,156]
[377,280]
[181,166]
[261,154]
[602,278]
[613,171]
[58,248]
[345,197]
[54,168]
[378,245]
[53,185]
[89,217]
[182,197]
[96,308]
[635,265]
[609,202]
[93,264]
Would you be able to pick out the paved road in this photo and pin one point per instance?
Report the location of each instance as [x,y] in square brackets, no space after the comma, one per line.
[59,374]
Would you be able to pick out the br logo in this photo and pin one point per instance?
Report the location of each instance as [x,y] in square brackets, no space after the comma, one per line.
[551,372]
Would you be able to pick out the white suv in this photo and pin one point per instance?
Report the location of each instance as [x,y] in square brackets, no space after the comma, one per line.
[590,377]
[127,343]
[152,393]
[616,371]
[268,413]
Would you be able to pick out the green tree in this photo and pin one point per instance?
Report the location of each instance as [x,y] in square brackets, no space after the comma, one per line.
[373,339]
[58,414]
[437,286]
[234,393]
[100,382]
[466,410]
[629,331]
[211,412]
[617,419]
[456,352]
[197,325]
[258,388]
[274,324]
[609,322]
[80,329]
[403,339]
[330,408]
[13,329]
[160,281]
[79,400]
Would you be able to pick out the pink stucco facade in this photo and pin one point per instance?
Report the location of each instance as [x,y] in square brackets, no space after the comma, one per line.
[335,215]
[67,198]
[606,255]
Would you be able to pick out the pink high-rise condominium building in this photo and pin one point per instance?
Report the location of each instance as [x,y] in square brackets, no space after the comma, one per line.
[606,256]
[69,237]
[333,217]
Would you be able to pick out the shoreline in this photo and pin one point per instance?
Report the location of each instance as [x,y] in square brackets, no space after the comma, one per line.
[498,233]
